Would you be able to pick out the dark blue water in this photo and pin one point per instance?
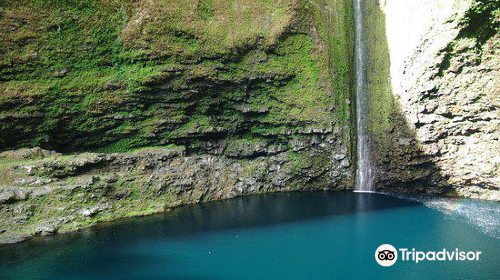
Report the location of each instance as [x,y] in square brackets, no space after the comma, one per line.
[331,235]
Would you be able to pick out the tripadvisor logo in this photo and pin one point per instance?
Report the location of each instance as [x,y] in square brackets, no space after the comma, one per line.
[387,255]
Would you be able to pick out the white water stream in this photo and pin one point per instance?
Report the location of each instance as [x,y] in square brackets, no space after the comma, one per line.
[365,174]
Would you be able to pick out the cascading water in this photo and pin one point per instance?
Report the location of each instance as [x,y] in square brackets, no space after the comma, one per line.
[365,174]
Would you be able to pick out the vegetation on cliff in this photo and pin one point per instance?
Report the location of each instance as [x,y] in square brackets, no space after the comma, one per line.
[160,103]
[115,75]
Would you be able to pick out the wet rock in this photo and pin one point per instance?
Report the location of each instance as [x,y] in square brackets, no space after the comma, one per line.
[342,154]
[46,228]
[12,237]
[245,149]
[345,163]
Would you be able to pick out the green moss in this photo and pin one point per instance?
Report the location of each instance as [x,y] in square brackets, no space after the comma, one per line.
[204,9]
[384,112]
[122,145]
[333,21]
[297,162]
[75,36]
[138,202]
[335,28]
[87,75]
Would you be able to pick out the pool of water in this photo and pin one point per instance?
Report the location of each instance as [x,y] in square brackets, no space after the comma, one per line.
[316,236]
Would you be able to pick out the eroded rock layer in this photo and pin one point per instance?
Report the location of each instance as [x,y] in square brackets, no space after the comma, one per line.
[235,97]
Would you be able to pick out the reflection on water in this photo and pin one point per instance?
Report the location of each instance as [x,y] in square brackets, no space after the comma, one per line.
[242,212]
[322,235]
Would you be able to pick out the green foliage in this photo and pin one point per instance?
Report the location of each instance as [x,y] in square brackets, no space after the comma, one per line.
[479,24]
[482,20]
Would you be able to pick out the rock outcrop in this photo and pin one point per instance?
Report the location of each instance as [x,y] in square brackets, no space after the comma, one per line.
[436,103]
[222,98]
[60,193]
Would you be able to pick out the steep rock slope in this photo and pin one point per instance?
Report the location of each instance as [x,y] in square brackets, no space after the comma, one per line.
[436,95]
[232,97]
[115,75]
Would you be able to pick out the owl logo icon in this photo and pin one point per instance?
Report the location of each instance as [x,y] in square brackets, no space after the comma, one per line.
[386,255]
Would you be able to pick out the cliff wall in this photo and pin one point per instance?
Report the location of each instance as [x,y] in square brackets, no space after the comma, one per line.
[121,108]
[435,105]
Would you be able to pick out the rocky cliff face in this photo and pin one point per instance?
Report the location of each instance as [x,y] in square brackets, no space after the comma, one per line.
[235,97]
[112,109]
[116,75]
[436,104]
[45,192]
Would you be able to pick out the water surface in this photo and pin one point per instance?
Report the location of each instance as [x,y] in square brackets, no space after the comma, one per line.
[316,236]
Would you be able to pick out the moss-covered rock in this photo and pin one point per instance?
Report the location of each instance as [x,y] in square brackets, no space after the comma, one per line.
[152,104]
[55,193]
[115,75]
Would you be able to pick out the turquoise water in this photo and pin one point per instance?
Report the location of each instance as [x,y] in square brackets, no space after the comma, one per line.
[315,236]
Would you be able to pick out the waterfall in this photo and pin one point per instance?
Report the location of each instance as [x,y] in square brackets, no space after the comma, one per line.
[365,174]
